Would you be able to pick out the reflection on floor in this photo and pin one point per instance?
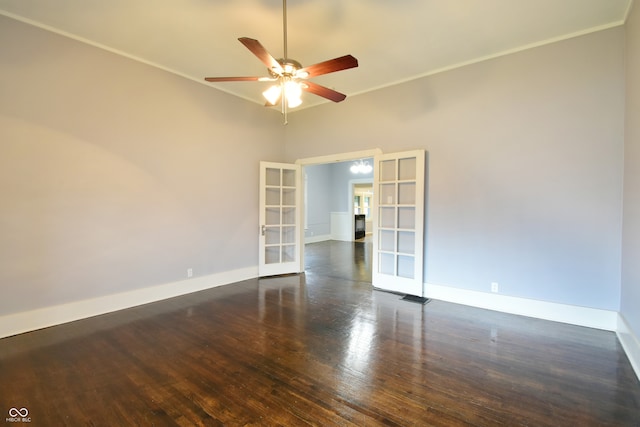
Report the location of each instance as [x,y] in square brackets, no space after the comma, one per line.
[321,348]
[338,259]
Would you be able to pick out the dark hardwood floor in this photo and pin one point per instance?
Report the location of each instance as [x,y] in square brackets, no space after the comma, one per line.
[317,349]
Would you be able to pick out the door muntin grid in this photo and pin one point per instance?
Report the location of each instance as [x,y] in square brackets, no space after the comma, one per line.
[397,217]
[280,215]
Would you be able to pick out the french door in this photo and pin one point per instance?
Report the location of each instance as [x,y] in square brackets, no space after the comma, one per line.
[280,219]
[398,223]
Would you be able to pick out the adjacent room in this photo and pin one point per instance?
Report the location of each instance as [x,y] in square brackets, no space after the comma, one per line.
[152,272]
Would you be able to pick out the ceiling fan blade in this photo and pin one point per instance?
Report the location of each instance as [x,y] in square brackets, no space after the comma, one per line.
[258,50]
[323,91]
[233,79]
[330,66]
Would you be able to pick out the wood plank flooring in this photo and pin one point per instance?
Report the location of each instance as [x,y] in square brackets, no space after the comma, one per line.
[317,349]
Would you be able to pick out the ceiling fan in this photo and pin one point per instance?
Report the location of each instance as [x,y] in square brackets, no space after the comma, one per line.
[289,75]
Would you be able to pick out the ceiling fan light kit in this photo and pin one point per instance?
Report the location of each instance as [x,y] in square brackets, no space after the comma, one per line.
[289,76]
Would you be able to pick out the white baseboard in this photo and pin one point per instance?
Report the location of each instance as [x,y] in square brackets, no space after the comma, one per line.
[315,239]
[17,323]
[630,343]
[574,315]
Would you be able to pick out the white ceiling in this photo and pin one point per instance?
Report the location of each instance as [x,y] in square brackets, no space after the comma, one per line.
[393,40]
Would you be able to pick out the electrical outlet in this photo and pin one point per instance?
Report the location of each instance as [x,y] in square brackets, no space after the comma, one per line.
[494,287]
[189,272]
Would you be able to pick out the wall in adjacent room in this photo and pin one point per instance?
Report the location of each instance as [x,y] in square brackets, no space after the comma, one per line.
[525,160]
[328,191]
[318,196]
[116,176]
[342,177]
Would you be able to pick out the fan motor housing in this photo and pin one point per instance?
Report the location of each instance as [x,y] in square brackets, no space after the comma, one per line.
[289,68]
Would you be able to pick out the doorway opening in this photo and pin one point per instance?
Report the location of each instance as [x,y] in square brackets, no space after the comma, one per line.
[338,210]
[398,218]
[362,199]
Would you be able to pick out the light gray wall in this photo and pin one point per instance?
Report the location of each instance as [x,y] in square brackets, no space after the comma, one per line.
[630,306]
[525,166]
[318,196]
[115,175]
